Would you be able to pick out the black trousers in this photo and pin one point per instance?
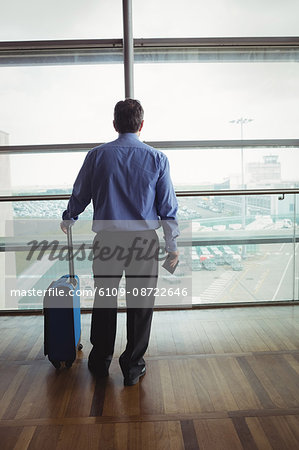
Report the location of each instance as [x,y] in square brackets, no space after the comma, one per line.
[136,254]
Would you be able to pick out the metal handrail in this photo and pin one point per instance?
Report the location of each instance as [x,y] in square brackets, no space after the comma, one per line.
[221,192]
[237,42]
[24,246]
[226,144]
[95,51]
[196,193]
[59,44]
[71,44]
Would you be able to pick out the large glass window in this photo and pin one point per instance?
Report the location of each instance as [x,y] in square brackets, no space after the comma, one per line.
[59,104]
[45,173]
[242,248]
[191,169]
[72,19]
[236,248]
[185,101]
[199,18]
[222,168]
[55,19]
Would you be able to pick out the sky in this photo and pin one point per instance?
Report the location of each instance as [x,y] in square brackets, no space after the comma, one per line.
[192,101]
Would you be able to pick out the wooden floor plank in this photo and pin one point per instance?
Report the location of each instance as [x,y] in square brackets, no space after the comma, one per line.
[45,437]
[165,341]
[15,405]
[7,374]
[167,389]
[150,389]
[24,439]
[27,341]
[46,393]
[282,377]
[37,350]
[79,400]
[217,434]
[143,435]
[182,339]
[267,336]
[293,423]
[243,431]
[279,433]
[267,390]
[201,336]
[189,435]
[210,393]
[8,333]
[255,383]
[10,397]
[121,436]
[231,339]
[10,343]
[175,439]
[258,434]
[268,326]
[216,337]
[97,404]
[281,333]
[79,437]
[248,338]
[289,334]
[215,379]
[221,383]
[9,437]
[121,400]
[242,391]
[180,385]
[186,384]
[202,385]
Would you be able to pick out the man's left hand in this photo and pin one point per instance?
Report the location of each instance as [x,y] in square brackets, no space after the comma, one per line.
[63,227]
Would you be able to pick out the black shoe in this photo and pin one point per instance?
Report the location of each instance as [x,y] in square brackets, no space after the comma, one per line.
[132,381]
[99,373]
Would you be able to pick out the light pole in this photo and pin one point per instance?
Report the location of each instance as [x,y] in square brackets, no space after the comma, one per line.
[128,44]
[242,121]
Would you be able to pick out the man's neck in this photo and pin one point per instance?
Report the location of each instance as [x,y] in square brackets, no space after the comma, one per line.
[137,134]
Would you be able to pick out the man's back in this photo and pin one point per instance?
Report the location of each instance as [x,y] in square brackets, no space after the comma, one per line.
[130,187]
[125,173]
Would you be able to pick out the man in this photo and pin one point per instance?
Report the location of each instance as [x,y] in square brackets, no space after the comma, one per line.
[131,190]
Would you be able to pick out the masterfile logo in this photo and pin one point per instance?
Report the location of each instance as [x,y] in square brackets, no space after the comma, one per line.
[38,255]
[54,250]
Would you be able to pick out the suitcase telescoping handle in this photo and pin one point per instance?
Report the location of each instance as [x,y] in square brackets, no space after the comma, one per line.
[71,255]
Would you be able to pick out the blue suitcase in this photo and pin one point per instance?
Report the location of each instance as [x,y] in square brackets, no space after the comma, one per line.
[62,319]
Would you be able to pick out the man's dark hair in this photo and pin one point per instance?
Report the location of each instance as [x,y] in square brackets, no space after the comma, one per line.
[128,115]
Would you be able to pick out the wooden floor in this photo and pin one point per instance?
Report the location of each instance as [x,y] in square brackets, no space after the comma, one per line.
[216,379]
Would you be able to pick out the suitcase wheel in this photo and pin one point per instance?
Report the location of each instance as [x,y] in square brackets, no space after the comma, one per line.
[69,363]
[80,346]
[56,364]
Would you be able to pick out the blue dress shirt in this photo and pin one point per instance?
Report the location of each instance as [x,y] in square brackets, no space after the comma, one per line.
[130,186]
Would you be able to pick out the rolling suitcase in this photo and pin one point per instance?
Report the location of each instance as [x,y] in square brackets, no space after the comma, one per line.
[62,319]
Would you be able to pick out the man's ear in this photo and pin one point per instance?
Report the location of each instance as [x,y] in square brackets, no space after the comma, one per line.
[115,126]
[141,126]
